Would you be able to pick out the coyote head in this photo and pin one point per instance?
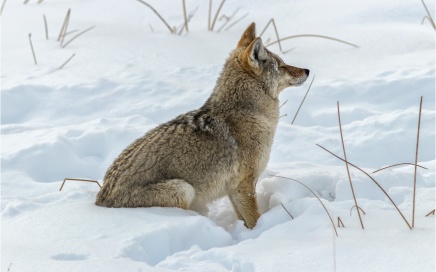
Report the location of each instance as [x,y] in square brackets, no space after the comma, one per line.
[266,66]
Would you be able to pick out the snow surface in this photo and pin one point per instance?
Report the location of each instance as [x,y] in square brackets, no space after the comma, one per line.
[125,79]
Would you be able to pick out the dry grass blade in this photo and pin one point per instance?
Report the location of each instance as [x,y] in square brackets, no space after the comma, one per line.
[358,208]
[45,26]
[432,212]
[313,36]
[237,21]
[333,224]
[68,60]
[287,211]
[340,223]
[184,16]
[381,188]
[228,20]
[65,30]
[217,14]
[70,32]
[209,14]
[346,166]
[158,15]
[3,6]
[304,98]
[190,15]
[283,104]
[31,47]
[399,164]
[276,31]
[416,164]
[75,37]
[430,19]
[62,32]
[77,179]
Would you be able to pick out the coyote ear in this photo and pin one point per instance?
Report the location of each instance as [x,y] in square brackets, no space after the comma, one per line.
[255,53]
[248,36]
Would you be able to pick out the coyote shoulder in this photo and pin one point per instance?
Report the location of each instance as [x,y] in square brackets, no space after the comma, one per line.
[215,151]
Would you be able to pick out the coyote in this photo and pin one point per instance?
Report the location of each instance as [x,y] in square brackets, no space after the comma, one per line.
[217,150]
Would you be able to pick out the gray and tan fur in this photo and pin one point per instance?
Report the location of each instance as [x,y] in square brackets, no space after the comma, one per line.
[215,151]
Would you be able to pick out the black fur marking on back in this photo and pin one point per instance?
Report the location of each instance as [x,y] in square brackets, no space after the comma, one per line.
[199,120]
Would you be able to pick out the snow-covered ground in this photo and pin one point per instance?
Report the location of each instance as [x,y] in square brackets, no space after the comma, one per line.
[126,78]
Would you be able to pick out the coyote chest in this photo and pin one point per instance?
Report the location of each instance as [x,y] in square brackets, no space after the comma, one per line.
[254,137]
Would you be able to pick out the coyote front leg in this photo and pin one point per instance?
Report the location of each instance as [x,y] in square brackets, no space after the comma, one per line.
[244,203]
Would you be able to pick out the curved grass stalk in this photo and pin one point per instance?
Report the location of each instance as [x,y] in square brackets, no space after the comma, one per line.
[358,208]
[428,17]
[381,188]
[399,164]
[73,38]
[312,36]
[158,15]
[348,170]
[331,220]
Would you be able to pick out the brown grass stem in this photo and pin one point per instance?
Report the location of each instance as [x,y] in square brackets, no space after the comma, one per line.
[399,164]
[68,60]
[158,15]
[209,14]
[237,21]
[340,223]
[70,32]
[430,19]
[63,30]
[381,188]
[185,17]
[346,165]
[77,179]
[217,14]
[432,212]
[313,36]
[416,164]
[287,210]
[45,27]
[79,34]
[228,19]
[283,104]
[276,31]
[190,15]
[331,220]
[358,208]
[3,6]
[304,98]
[31,47]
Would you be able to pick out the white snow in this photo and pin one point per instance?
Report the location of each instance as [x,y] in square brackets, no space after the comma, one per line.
[125,79]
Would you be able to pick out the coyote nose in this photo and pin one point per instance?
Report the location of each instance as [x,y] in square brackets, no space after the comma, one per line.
[307,71]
